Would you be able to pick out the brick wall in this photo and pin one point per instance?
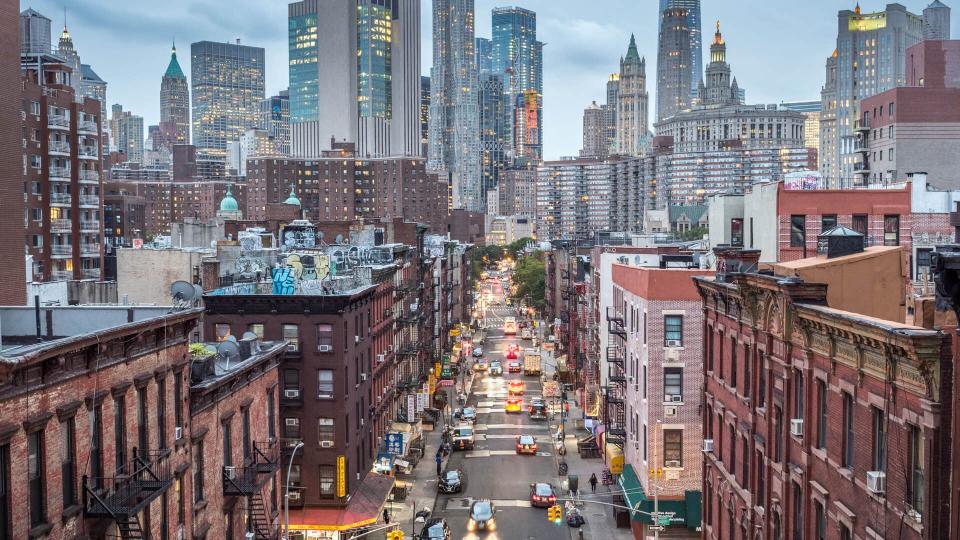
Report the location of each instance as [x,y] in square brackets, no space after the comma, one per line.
[11,189]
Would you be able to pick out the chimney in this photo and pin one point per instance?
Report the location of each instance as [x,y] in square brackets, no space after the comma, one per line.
[733,260]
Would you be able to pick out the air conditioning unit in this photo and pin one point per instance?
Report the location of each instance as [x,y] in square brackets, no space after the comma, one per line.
[295,495]
[230,472]
[292,422]
[356,339]
[361,421]
[292,393]
[381,358]
[671,463]
[177,433]
[325,348]
[676,398]
[796,427]
[181,533]
[390,347]
[363,376]
[669,411]
[326,444]
[876,481]
[673,343]
[708,445]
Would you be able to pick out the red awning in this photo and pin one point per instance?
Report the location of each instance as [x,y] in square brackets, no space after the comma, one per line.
[364,509]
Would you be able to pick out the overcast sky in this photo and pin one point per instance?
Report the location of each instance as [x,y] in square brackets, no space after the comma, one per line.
[776,48]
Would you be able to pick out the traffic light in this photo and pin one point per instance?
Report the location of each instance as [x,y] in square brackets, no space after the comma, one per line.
[395,535]
[555,514]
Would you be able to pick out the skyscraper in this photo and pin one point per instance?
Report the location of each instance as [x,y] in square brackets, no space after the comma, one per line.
[632,102]
[610,108]
[275,121]
[696,37]
[936,21]
[674,76]
[870,58]
[126,133]
[174,105]
[354,76]
[424,112]
[519,57]
[454,140]
[484,55]
[494,129]
[227,83]
[68,53]
[594,132]
[34,33]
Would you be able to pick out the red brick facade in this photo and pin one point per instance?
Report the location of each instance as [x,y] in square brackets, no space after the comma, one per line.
[11,166]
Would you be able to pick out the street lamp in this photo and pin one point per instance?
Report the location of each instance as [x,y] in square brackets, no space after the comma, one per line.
[286,495]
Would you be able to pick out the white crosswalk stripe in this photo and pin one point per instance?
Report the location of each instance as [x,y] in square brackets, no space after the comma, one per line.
[464,504]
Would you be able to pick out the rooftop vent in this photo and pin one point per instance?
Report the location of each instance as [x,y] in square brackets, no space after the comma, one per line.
[840,241]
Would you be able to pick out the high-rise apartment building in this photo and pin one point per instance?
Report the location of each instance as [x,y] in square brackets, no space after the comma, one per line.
[174,106]
[275,120]
[936,21]
[354,76]
[484,54]
[519,57]
[594,132]
[494,130]
[870,58]
[692,7]
[92,86]
[674,55]
[632,102]
[454,138]
[126,133]
[573,199]
[424,112]
[610,109]
[227,85]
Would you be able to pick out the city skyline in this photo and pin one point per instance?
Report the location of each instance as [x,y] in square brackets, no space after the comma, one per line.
[583,47]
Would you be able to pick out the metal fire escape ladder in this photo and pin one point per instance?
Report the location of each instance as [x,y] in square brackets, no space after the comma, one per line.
[615,416]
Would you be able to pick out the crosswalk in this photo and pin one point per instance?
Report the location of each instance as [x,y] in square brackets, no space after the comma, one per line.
[465,502]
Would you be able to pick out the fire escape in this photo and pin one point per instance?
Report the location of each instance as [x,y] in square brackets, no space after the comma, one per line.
[251,481]
[616,391]
[122,497]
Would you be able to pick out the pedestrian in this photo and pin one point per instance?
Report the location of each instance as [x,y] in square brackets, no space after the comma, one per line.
[386,516]
[593,482]
[440,466]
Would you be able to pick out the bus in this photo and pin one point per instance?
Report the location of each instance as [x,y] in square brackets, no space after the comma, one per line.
[510,326]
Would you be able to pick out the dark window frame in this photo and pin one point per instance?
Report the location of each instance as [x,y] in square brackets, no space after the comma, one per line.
[36,478]
[798,231]
[68,461]
[675,321]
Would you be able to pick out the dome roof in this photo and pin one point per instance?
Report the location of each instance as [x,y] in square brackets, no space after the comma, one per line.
[228,203]
[292,199]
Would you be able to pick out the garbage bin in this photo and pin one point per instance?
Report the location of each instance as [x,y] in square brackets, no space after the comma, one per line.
[573,482]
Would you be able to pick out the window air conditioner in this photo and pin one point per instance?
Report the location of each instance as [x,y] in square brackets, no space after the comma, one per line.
[381,358]
[708,445]
[673,343]
[676,398]
[796,427]
[671,463]
[356,339]
[292,393]
[177,433]
[876,481]
[230,472]
[325,348]
[326,444]
[292,422]
[363,376]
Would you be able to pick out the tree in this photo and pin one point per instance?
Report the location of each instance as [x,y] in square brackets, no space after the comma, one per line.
[514,248]
[529,276]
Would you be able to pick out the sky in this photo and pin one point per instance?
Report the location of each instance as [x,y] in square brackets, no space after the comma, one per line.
[776,48]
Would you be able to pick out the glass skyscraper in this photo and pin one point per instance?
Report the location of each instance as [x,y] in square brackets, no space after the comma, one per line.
[374,59]
[519,57]
[304,76]
[484,56]
[696,39]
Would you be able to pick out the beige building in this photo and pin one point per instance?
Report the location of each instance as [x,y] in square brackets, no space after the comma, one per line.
[144,275]
[505,230]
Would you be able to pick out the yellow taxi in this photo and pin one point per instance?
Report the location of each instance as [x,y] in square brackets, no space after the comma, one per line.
[515,388]
[514,405]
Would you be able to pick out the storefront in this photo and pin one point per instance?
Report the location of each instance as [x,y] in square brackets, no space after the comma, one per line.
[363,510]
[678,517]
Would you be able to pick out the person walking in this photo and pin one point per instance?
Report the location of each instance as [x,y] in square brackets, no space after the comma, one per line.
[593,482]
[440,465]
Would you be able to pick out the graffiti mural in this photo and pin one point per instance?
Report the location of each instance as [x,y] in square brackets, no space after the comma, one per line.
[284,281]
[299,236]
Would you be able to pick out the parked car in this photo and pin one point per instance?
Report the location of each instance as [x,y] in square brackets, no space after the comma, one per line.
[463,437]
[452,481]
[482,516]
[466,414]
[477,352]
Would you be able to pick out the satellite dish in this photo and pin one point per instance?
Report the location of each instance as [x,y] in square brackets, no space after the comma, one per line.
[249,335]
[320,235]
[229,350]
[183,294]
[636,260]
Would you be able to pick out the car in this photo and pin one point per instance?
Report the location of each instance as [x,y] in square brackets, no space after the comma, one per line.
[435,529]
[482,516]
[512,354]
[480,365]
[537,409]
[515,388]
[514,405]
[514,367]
[477,352]
[542,495]
[466,415]
[452,481]
[462,437]
[495,369]
[526,444]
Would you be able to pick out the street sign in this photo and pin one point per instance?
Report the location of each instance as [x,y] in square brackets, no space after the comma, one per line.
[654,528]
[663,520]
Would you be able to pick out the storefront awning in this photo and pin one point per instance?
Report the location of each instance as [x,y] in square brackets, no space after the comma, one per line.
[684,512]
[633,493]
[363,510]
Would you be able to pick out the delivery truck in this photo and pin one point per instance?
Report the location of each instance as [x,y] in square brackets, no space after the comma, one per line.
[531,362]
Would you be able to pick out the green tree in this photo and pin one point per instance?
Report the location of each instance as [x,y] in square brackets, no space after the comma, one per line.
[482,257]
[530,278]
[516,247]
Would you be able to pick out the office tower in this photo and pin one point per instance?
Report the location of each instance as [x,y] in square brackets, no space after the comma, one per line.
[92,86]
[454,139]
[174,105]
[936,21]
[354,76]
[424,112]
[275,121]
[67,52]
[870,58]
[827,156]
[34,33]
[594,132]
[613,97]
[494,130]
[811,111]
[484,56]
[519,56]
[126,133]
[673,63]
[632,102]
[692,8]
[227,85]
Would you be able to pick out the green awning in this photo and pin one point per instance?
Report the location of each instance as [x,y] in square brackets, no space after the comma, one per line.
[685,512]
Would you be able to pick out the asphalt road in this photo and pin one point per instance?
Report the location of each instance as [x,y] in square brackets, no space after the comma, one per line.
[494,470]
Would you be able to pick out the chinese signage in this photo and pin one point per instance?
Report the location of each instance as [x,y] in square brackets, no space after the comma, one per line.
[421,401]
[395,443]
[411,408]
[341,476]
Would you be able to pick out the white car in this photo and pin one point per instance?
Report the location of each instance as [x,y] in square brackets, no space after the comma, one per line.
[477,352]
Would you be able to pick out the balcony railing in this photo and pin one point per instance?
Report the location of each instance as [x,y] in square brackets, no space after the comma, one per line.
[124,495]
[91,273]
[88,152]
[59,147]
[88,249]
[89,200]
[60,173]
[56,121]
[61,275]
[60,198]
[61,249]
[61,225]
[87,126]
[87,175]
[89,225]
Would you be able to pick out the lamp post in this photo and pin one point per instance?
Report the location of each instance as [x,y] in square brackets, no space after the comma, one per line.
[286,495]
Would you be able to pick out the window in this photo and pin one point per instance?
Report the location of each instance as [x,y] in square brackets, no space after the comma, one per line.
[143,433]
[644,443]
[5,515]
[325,383]
[325,336]
[797,513]
[295,475]
[827,222]
[120,433]
[798,231]
[778,433]
[859,224]
[68,457]
[178,398]
[847,457]
[291,379]
[326,481]
[710,352]
[820,521]
[644,382]
[747,380]
[733,362]
[227,444]
[821,414]
[291,334]
[672,383]
[761,482]
[162,412]
[38,511]
[673,330]
[845,532]
[222,331]
[923,261]
[256,328]
[96,444]
[879,447]
[245,426]
[326,432]
[736,232]
[198,473]
[673,448]
[291,428]
[733,451]
[891,230]
[181,503]
[777,532]
[164,517]
[720,352]
[798,395]
[915,489]
[745,456]
[761,384]
[271,415]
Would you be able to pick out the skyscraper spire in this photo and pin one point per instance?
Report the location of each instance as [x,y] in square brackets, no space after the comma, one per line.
[632,53]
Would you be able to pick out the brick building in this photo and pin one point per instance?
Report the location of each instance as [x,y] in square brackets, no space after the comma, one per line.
[11,164]
[656,321]
[819,422]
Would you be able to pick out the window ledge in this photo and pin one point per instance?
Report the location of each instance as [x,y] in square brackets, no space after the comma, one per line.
[199,505]
[40,530]
[71,511]
[846,472]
